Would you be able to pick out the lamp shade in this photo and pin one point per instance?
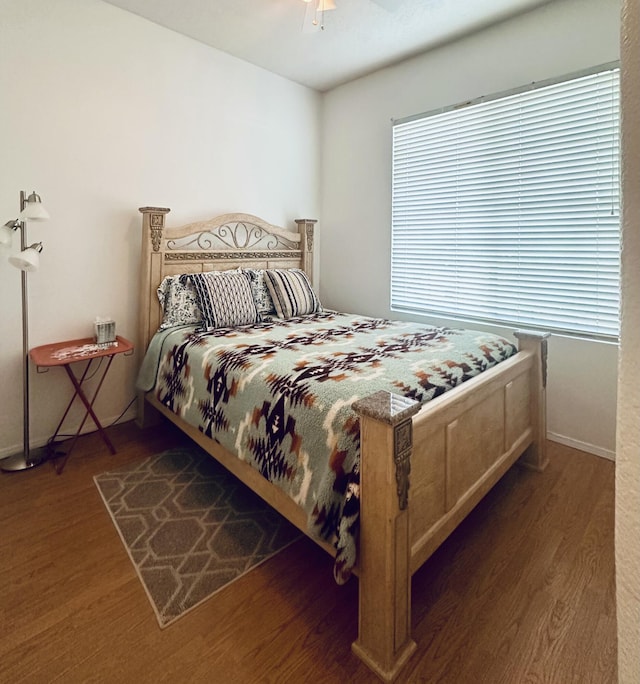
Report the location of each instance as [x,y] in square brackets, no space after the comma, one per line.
[33,209]
[6,233]
[28,259]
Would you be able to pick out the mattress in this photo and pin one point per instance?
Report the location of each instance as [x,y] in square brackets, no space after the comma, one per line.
[278,395]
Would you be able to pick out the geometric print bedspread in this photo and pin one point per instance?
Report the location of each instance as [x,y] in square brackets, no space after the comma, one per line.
[278,395]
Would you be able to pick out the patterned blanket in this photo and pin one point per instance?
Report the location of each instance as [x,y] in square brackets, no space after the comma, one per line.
[278,395]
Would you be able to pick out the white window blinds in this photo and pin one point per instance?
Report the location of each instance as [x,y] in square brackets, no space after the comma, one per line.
[507,211]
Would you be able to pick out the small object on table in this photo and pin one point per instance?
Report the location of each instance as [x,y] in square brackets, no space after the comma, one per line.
[105,329]
[65,354]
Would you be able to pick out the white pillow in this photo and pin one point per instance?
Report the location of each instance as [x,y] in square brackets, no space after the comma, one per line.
[179,302]
[261,295]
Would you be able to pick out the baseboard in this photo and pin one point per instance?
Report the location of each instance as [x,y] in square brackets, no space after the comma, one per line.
[37,442]
[582,446]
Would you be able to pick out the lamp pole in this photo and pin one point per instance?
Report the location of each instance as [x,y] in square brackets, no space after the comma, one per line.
[25,342]
[24,460]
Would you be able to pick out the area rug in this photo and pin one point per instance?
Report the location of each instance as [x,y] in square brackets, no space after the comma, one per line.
[189,527]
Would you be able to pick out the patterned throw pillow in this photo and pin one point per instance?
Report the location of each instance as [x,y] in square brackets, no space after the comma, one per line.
[260,292]
[291,292]
[224,298]
[179,302]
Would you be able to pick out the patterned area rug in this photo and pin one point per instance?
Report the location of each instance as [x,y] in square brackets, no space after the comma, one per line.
[189,527]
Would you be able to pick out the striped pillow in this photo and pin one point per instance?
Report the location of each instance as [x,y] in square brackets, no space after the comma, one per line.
[291,292]
[224,298]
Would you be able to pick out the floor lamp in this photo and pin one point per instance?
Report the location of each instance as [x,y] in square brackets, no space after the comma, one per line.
[31,209]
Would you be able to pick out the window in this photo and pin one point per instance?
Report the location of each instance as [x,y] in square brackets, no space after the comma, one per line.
[507,210]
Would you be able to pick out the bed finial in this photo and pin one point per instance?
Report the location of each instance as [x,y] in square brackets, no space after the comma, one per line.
[153,222]
[385,644]
[534,341]
[150,269]
[306,228]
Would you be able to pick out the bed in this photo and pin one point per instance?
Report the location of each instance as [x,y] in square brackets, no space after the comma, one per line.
[420,466]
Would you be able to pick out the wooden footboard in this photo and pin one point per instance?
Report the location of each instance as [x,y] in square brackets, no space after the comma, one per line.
[463,442]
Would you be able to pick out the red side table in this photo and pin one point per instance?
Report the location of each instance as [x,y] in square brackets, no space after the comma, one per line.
[65,354]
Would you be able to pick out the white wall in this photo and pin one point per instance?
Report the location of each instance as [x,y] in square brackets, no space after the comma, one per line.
[628,455]
[560,38]
[103,112]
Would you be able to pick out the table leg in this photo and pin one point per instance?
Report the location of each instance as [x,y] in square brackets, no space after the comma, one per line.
[70,404]
[77,384]
[89,404]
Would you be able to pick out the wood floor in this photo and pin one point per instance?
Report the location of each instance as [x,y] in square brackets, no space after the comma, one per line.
[522,592]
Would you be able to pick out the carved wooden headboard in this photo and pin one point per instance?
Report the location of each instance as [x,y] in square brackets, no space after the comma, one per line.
[221,243]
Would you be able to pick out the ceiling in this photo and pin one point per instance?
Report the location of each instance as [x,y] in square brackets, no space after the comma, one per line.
[359,37]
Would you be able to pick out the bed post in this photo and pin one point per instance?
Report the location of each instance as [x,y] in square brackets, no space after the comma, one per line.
[535,457]
[150,269]
[306,228]
[384,559]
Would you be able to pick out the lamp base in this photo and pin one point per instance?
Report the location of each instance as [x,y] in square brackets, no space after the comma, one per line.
[18,462]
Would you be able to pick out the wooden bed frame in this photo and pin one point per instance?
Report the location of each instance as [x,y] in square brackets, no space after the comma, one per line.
[423,469]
